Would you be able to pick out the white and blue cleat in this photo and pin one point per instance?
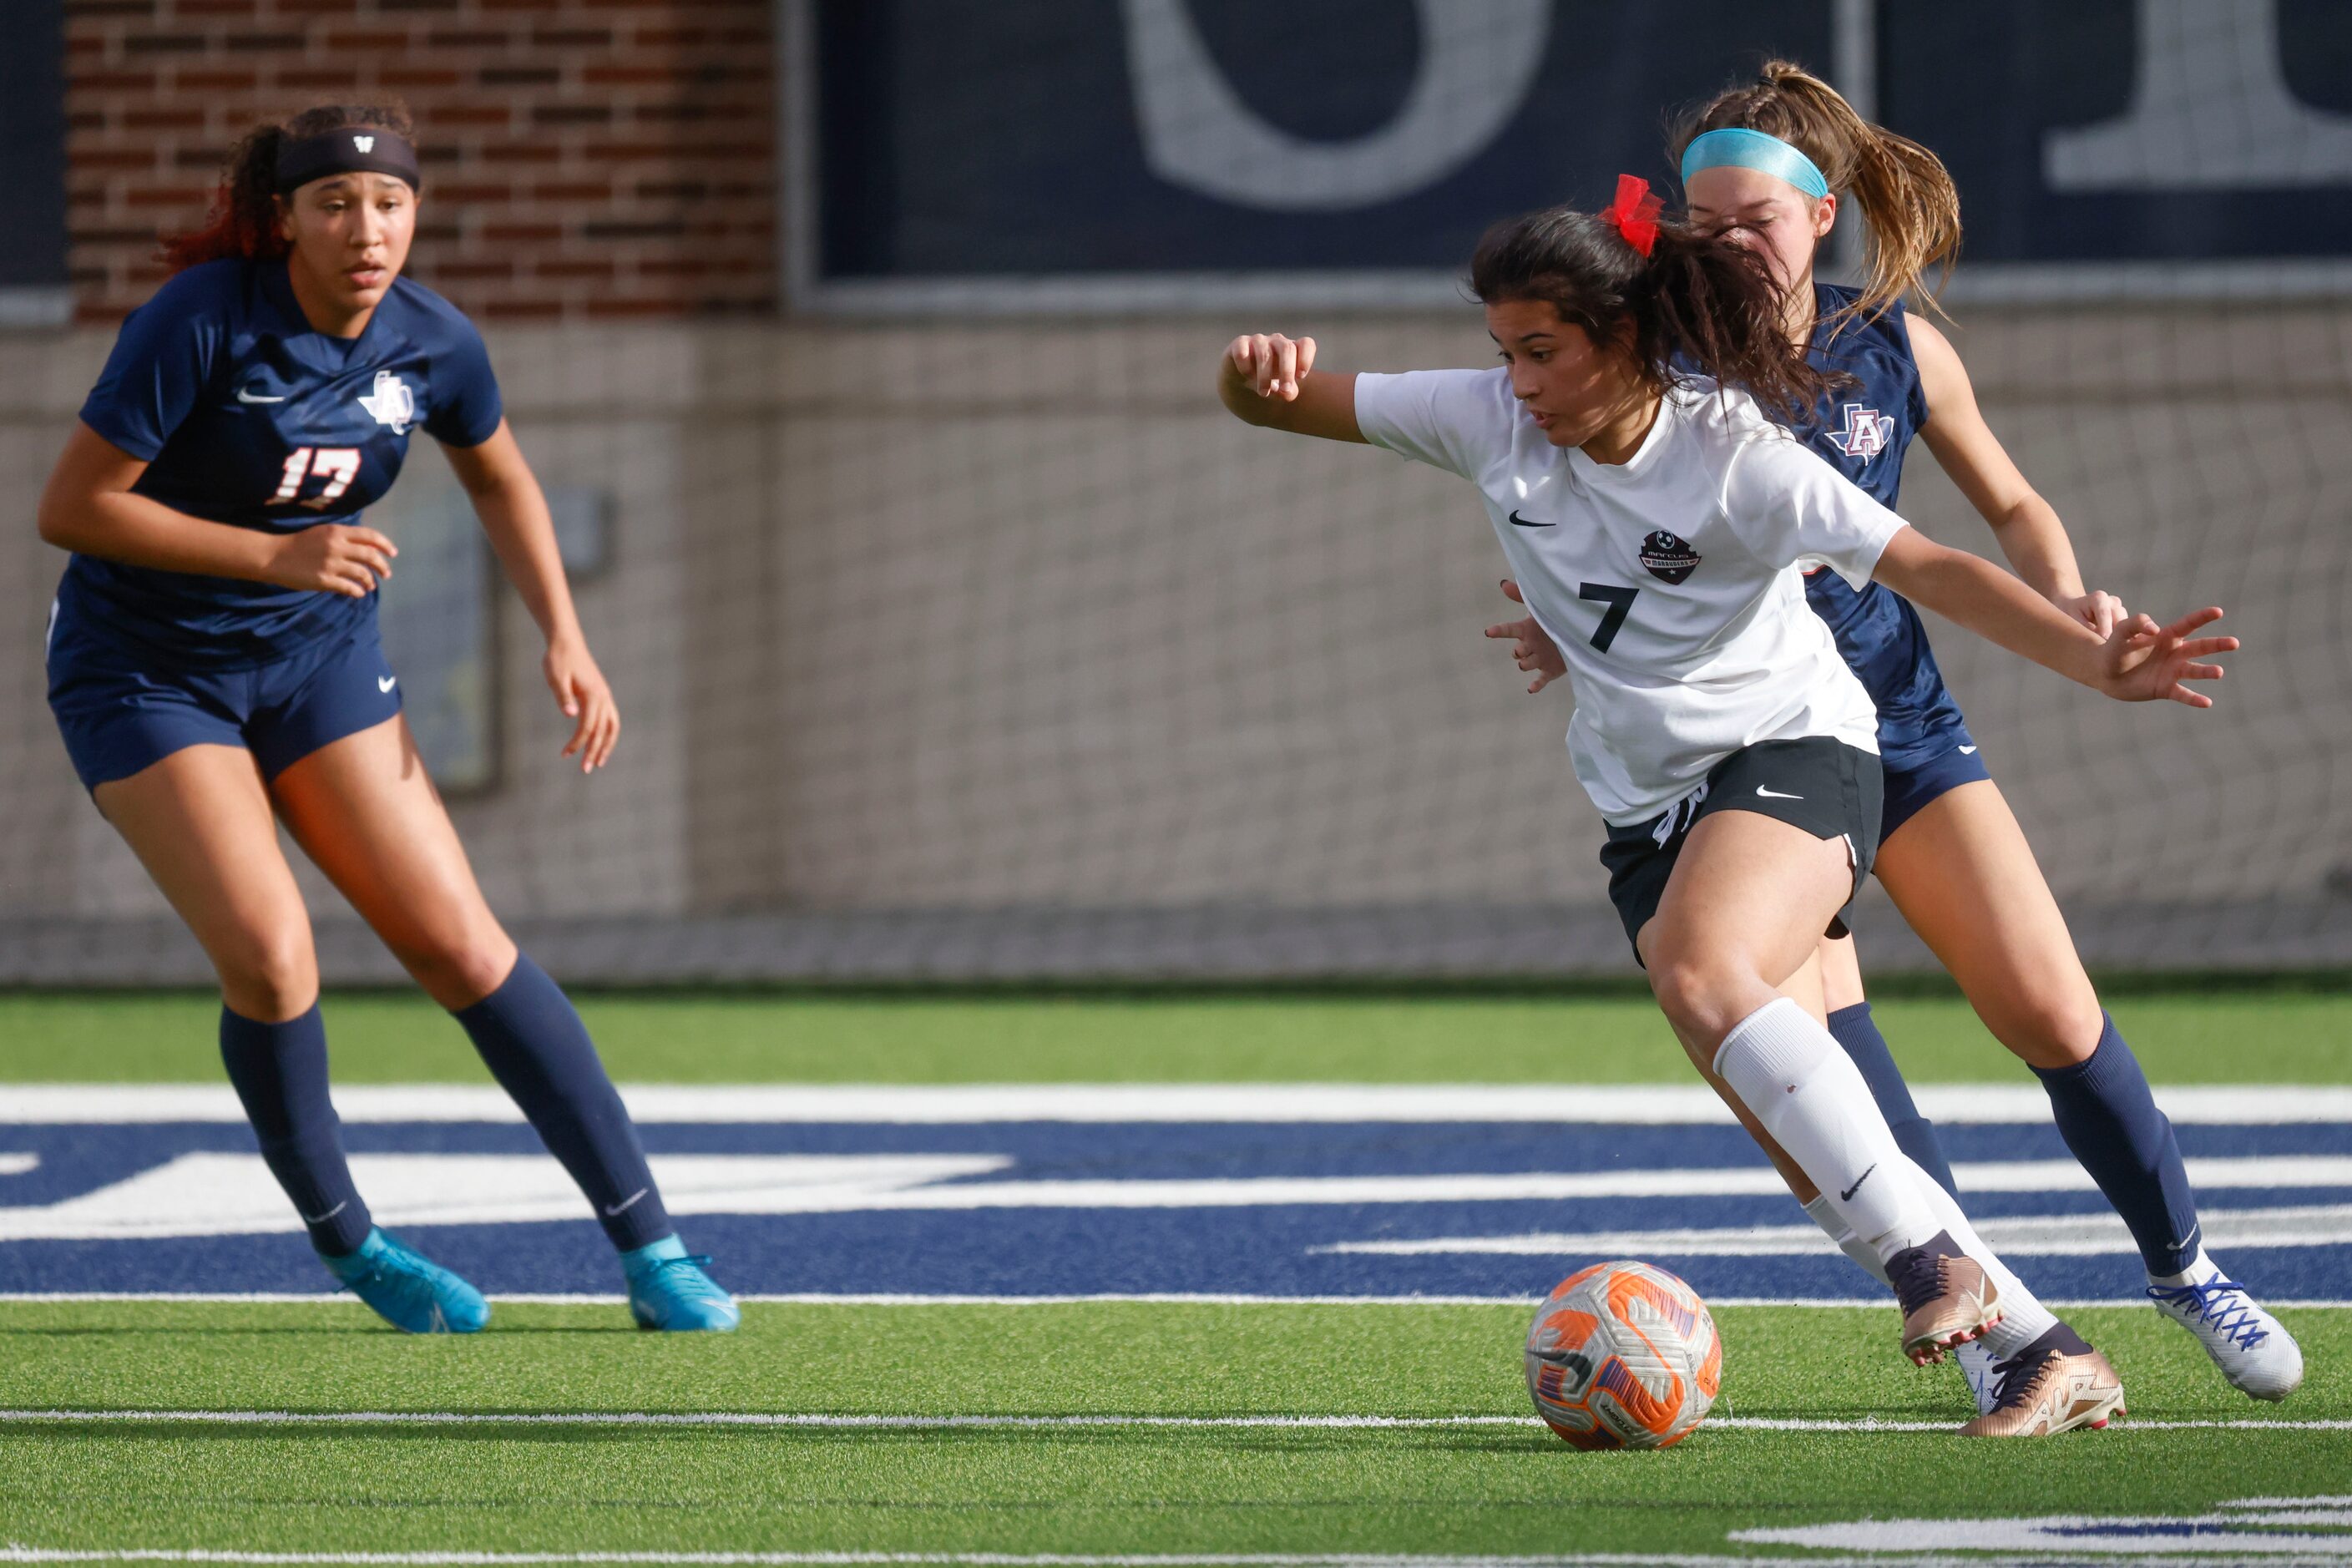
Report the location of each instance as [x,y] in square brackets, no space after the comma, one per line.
[669,1292]
[408,1289]
[2252,1348]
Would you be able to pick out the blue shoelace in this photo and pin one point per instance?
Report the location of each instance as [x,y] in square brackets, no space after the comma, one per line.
[2220,1302]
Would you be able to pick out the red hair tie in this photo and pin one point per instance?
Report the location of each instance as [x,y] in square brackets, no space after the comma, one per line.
[1634,213]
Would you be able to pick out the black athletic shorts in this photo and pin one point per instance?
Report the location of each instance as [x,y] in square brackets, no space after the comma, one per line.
[1827,788]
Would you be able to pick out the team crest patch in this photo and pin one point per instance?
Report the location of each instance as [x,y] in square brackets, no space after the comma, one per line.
[391,403]
[1668,556]
[1866,432]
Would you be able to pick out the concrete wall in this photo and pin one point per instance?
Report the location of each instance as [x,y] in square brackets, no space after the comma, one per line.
[975,618]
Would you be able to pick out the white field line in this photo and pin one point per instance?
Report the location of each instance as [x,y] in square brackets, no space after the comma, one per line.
[890,1299]
[14,1553]
[2011,1236]
[833,1421]
[1611,1104]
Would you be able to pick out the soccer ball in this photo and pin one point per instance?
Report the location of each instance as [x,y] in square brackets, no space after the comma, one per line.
[1622,1355]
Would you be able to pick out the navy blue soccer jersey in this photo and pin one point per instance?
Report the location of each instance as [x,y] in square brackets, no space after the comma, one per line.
[1863,427]
[247,415]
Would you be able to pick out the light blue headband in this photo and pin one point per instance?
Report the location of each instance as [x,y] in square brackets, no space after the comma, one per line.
[1741,148]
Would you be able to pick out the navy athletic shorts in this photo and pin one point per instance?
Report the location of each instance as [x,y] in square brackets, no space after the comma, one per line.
[1827,788]
[120,712]
[1911,784]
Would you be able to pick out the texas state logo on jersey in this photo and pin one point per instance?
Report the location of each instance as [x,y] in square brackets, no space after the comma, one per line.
[393,402]
[1863,432]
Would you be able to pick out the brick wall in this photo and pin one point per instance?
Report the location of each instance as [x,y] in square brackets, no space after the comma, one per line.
[582,158]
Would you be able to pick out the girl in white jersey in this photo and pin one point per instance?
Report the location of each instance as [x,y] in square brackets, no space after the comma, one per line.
[1654,523]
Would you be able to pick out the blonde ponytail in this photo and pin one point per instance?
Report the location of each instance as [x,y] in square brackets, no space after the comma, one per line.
[1910,207]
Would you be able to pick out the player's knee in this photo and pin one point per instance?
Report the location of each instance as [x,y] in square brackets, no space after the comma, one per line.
[1702,999]
[2048,1026]
[268,975]
[461,969]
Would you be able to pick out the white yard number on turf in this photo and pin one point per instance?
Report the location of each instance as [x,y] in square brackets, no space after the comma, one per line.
[339,465]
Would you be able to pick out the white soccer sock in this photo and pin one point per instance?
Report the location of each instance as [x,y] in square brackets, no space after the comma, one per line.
[1797,1080]
[2023,1317]
[1865,1256]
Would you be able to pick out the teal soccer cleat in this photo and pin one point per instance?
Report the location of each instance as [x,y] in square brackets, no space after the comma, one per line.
[408,1289]
[669,1291]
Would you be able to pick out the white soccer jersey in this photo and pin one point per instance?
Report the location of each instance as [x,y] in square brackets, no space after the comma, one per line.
[1669,582]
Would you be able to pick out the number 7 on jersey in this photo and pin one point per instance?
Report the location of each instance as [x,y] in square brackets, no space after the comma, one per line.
[1620,604]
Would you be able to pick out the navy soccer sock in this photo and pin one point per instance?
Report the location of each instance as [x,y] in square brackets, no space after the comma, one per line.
[1854,1028]
[2107,1115]
[539,1050]
[280,1074]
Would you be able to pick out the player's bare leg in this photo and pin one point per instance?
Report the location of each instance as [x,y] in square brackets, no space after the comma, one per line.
[367,814]
[1742,914]
[1967,881]
[200,823]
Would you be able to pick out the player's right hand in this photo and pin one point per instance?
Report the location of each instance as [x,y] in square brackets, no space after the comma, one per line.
[1530,644]
[333,558]
[2144,662]
[1269,363]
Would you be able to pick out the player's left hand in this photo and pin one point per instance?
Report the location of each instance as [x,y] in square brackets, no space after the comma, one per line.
[1531,645]
[2144,662]
[582,692]
[2096,610]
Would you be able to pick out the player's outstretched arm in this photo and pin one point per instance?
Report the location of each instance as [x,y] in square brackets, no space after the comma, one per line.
[1268,379]
[89,507]
[513,509]
[2139,662]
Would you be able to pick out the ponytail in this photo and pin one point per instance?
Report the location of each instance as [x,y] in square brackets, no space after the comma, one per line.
[1910,208]
[1692,304]
[243,221]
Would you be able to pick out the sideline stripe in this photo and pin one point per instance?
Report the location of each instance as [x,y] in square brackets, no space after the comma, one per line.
[12,1553]
[835,1421]
[1172,1299]
[1663,1104]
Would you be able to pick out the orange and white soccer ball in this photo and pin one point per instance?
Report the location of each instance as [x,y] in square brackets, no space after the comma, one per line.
[1622,1355]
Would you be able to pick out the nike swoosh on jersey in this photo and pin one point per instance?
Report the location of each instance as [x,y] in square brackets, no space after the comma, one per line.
[244,396]
[387,682]
[1523,522]
[1968,751]
[1777,794]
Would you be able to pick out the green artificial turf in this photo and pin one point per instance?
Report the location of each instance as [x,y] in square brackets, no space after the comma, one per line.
[1485,1488]
[2283,1036]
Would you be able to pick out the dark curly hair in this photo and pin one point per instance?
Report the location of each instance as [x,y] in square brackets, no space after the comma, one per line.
[1695,303]
[244,217]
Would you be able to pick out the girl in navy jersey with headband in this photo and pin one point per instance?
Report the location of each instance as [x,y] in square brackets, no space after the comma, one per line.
[214,668]
[1763,164]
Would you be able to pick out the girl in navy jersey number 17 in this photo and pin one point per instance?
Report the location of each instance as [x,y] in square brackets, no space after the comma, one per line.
[1763,165]
[214,668]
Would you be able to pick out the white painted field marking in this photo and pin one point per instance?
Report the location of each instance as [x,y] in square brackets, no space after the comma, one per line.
[2232,1531]
[2017,1235]
[234,1194]
[1666,1104]
[11,1553]
[212,1193]
[1138,1297]
[828,1421]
